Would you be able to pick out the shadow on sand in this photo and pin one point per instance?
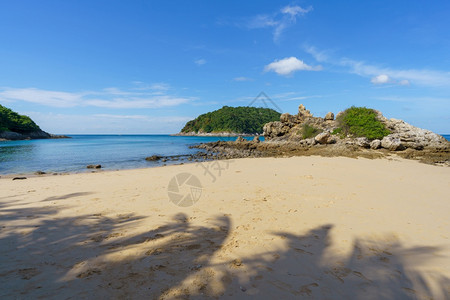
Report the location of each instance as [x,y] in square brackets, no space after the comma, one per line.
[94,256]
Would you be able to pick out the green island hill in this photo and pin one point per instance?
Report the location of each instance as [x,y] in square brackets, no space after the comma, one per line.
[243,120]
[14,126]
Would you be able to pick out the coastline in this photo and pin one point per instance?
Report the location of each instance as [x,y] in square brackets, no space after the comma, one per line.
[215,134]
[319,225]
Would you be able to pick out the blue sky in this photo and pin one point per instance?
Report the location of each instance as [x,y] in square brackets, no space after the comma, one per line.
[150,66]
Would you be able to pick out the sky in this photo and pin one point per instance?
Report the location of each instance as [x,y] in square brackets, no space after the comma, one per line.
[144,67]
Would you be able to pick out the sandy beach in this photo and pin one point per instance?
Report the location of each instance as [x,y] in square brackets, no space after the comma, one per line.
[258,228]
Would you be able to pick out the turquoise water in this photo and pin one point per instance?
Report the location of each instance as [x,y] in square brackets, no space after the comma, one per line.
[111,151]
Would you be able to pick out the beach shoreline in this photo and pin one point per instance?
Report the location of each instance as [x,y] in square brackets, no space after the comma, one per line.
[312,226]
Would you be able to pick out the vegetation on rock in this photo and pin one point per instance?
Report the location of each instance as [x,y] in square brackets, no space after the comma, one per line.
[12,121]
[361,122]
[309,131]
[244,119]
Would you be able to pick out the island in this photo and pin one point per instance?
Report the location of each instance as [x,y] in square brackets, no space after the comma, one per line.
[14,126]
[231,121]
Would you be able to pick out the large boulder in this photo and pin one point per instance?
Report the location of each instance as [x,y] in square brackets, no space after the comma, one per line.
[303,112]
[362,142]
[375,144]
[392,143]
[329,116]
[275,129]
[322,138]
[414,137]
[288,118]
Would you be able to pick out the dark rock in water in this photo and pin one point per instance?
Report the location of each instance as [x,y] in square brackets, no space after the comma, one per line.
[39,173]
[94,166]
[19,178]
[153,158]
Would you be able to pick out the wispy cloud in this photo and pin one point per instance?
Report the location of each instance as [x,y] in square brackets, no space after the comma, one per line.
[289,65]
[107,123]
[151,96]
[200,61]
[242,79]
[383,75]
[293,96]
[279,21]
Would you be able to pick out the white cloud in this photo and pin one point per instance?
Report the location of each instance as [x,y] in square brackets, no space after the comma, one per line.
[242,79]
[422,77]
[154,96]
[380,79]
[279,21]
[404,77]
[200,61]
[288,65]
[295,10]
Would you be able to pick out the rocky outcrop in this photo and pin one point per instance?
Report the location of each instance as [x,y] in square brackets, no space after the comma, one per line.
[290,127]
[403,135]
[408,136]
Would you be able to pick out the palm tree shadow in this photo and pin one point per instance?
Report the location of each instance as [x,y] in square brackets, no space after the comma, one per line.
[94,256]
[310,269]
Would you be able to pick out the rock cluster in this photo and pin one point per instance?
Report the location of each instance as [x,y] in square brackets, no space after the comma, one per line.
[290,126]
[403,135]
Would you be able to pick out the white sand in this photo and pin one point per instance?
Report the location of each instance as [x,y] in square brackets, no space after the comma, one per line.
[284,228]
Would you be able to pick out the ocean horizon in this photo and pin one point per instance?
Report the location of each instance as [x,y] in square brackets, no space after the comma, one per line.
[111,151]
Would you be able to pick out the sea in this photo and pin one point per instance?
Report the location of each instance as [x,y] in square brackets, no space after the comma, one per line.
[112,152]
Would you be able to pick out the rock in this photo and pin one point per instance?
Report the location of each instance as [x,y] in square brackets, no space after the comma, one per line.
[19,178]
[322,138]
[94,166]
[39,173]
[288,118]
[153,158]
[332,139]
[329,116]
[256,139]
[303,112]
[362,142]
[375,144]
[392,143]
[414,137]
[240,139]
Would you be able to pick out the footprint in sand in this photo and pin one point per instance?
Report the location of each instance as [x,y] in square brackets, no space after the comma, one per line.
[28,273]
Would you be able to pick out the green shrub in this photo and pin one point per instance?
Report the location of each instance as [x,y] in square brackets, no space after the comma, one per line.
[309,131]
[361,122]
